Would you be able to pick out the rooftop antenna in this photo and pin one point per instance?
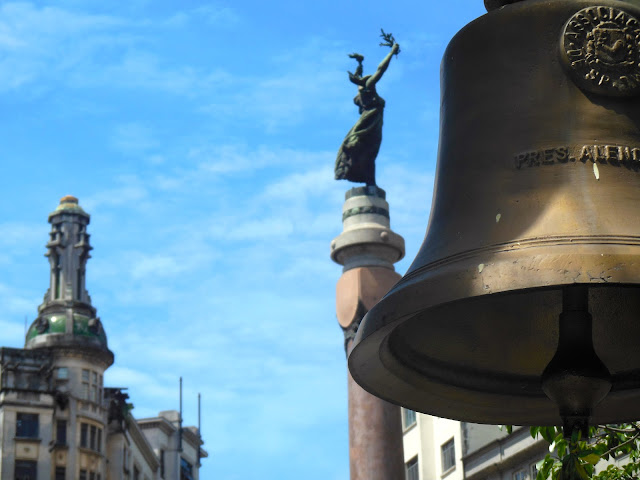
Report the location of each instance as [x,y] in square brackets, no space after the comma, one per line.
[199,432]
[180,420]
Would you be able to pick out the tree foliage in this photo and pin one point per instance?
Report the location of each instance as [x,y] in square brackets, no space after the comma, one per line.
[576,458]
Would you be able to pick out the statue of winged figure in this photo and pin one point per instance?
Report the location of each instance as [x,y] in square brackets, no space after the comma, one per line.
[356,158]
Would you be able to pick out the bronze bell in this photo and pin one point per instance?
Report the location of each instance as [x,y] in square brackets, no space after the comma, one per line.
[528,280]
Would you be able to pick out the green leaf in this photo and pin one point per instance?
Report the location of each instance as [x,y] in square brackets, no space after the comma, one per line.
[580,470]
[547,433]
[591,458]
[561,447]
[544,467]
[600,448]
[575,435]
[508,428]
[589,468]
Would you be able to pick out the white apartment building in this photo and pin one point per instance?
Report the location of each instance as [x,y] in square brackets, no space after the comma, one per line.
[438,448]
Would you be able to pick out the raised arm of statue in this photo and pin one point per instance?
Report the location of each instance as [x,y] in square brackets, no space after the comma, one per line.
[384,64]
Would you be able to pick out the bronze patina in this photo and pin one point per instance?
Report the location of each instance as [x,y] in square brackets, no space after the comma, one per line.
[357,155]
[527,285]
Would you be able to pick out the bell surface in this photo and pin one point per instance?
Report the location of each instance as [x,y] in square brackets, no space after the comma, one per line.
[537,188]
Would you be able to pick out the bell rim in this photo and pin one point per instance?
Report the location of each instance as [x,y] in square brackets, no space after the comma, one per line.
[374,367]
[479,269]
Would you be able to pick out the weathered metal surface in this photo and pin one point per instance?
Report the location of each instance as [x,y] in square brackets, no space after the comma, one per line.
[537,188]
[600,48]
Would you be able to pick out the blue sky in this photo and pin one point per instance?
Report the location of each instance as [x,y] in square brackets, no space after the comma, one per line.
[201,138]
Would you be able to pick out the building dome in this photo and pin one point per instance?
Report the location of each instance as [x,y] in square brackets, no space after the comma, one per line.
[68,204]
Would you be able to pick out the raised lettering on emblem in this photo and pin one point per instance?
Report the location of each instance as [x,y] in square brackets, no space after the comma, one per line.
[600,49]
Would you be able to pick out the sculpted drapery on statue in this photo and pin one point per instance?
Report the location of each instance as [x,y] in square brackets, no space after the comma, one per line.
[357,155]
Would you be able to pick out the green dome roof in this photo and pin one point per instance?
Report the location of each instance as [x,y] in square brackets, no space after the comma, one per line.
[68,204]
[51,329]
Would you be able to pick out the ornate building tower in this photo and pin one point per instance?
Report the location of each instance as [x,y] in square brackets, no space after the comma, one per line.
[67,327]
[368,248]
[66,318]
[57,421]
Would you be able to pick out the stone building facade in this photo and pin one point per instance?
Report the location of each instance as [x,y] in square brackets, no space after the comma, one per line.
[57,419]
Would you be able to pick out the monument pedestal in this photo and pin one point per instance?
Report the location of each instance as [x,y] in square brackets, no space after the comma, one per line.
[368,248]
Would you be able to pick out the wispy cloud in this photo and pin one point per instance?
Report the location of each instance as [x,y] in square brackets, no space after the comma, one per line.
[128,192]
[304,184]
[133,138]
[18,304]
[305,79]
[81,49]
[216,15]
[15,301]
[44,41]
[21,236]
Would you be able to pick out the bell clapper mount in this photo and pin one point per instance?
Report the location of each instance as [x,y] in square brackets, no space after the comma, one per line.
[575,379]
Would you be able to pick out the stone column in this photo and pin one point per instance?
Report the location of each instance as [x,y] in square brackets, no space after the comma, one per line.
[367,248]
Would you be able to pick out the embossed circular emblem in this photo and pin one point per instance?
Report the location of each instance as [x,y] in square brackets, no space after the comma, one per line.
[600,48]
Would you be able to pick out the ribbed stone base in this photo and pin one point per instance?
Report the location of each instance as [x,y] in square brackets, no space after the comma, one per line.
[367,239]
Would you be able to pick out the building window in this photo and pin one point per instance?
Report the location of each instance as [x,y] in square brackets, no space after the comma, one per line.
[61,473]
[161,463]
[58,274]
[136,473]
[61,432]
[125,459]
[84,435]
[448,456]
[408,418]
[520,475]
[186,470]
[62,373]
[85,385]
[26,470]
[83,475]
[91,386]
[411,469]
[86,374]
[90,437]
[84,393]
[27,425]
[534,471]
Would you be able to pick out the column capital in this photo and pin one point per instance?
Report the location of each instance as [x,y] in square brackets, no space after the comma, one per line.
[367,239]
